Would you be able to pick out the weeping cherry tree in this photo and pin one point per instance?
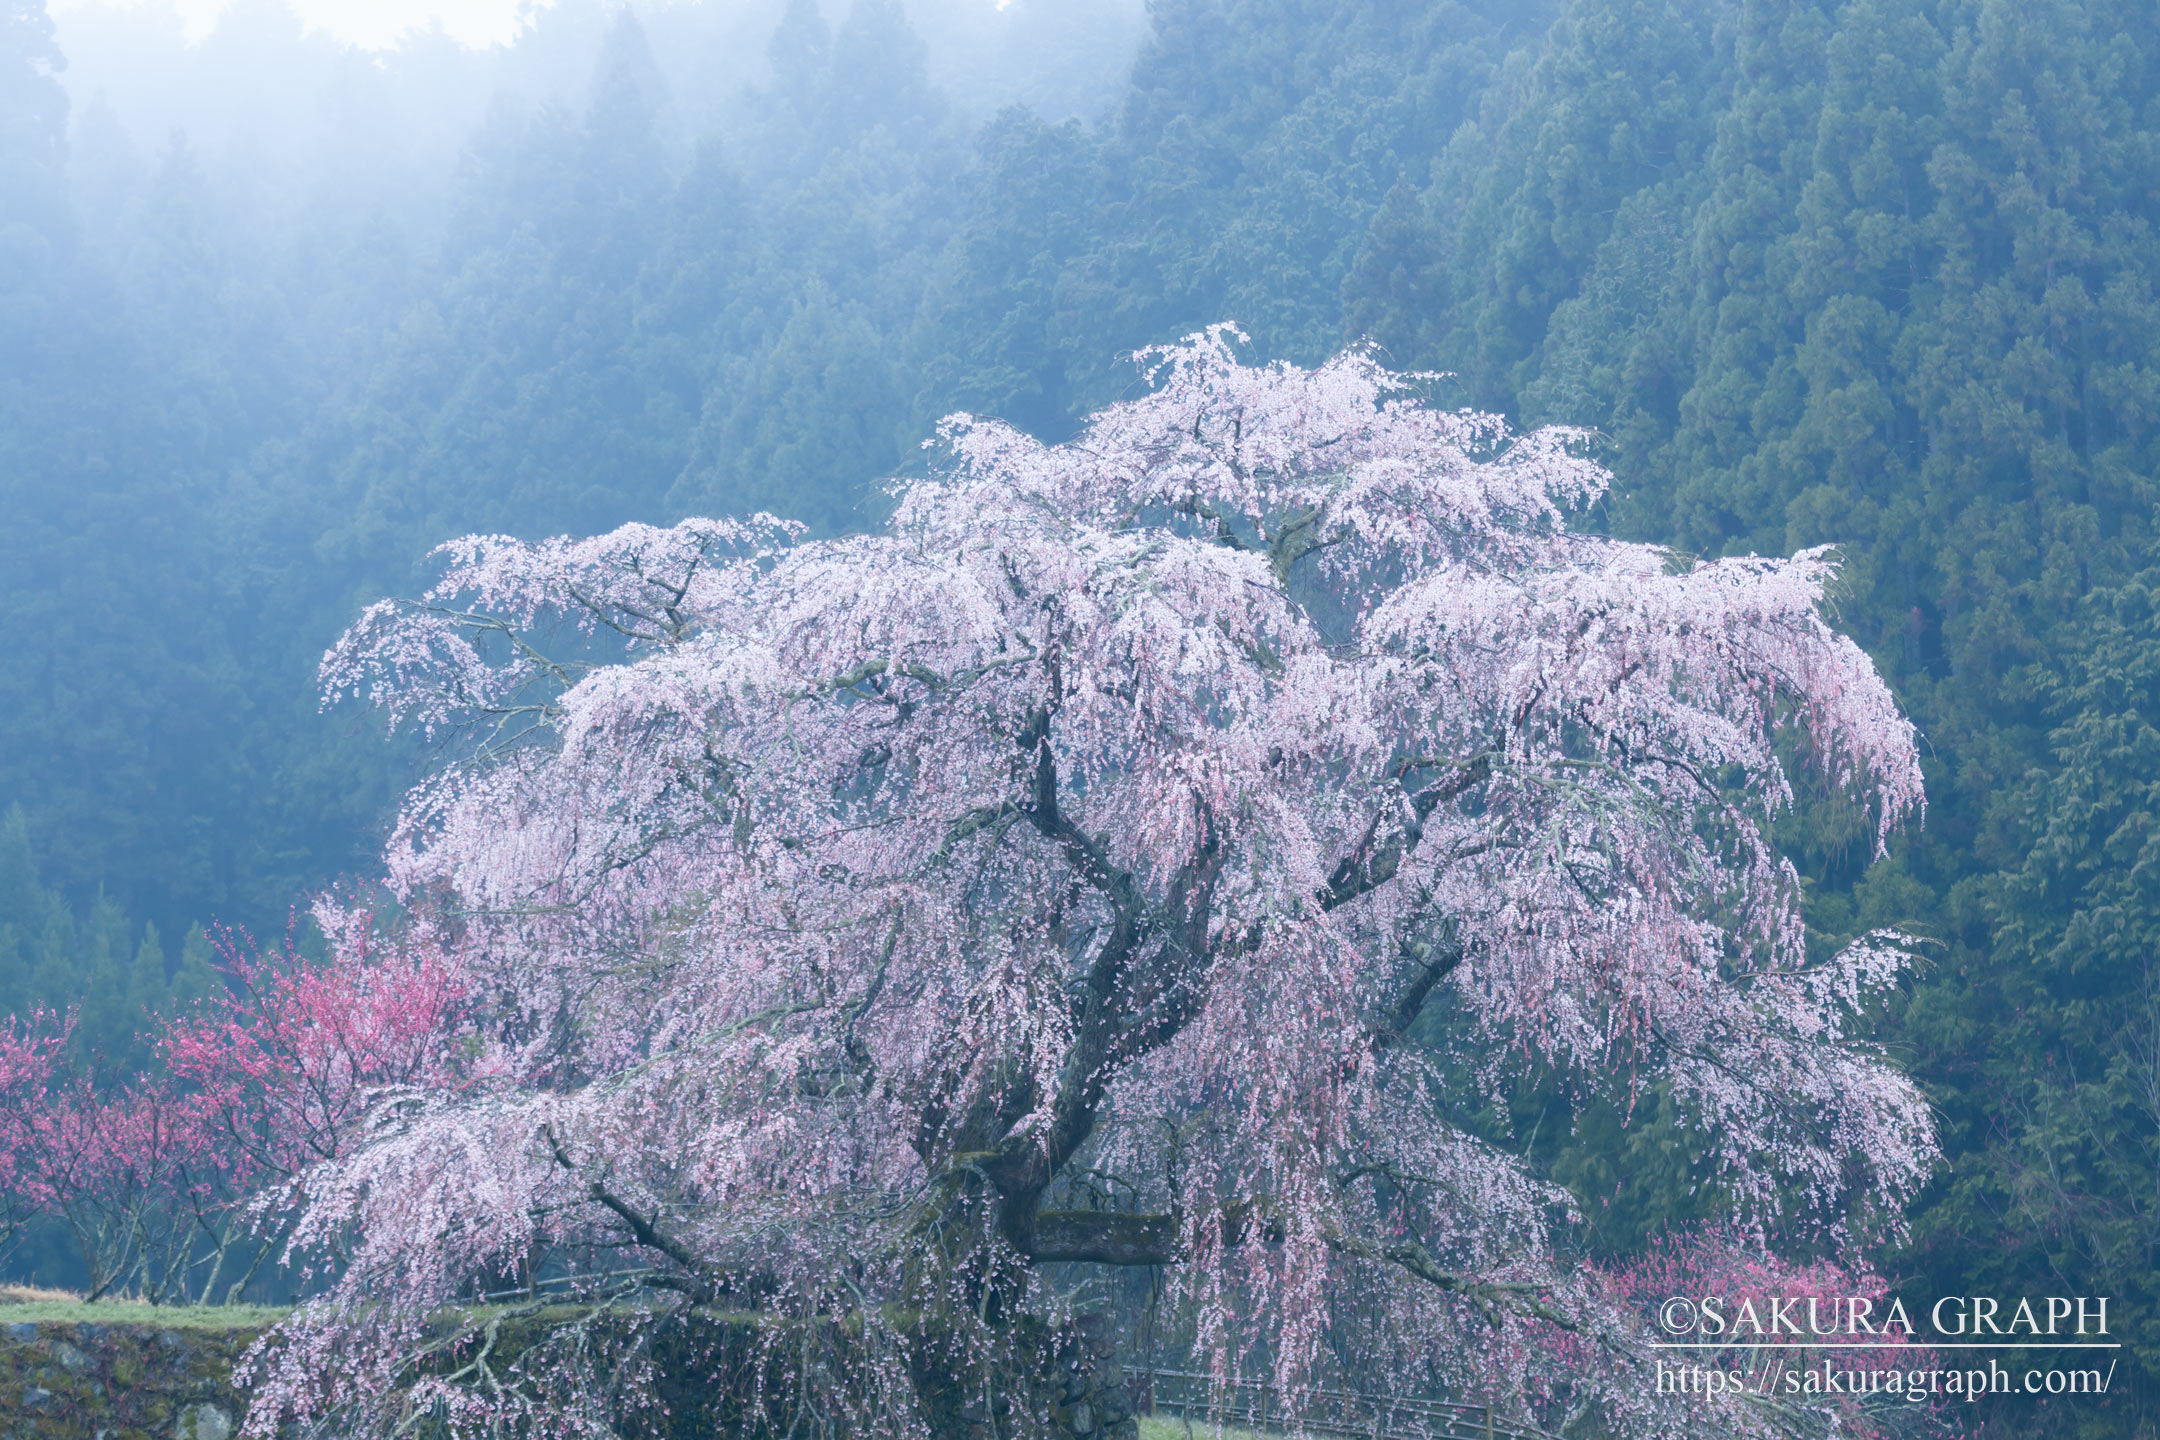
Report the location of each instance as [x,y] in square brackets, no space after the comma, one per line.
[863,934]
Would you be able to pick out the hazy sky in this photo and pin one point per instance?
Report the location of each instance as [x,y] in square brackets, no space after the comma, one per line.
[373,24]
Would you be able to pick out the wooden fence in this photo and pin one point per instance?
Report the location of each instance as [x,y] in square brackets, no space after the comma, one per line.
[1254,1405]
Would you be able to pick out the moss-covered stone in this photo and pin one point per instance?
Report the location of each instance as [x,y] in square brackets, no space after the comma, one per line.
[130,1380]
[170,1377]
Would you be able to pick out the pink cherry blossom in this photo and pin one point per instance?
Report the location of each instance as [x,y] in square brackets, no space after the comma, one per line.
[854,930]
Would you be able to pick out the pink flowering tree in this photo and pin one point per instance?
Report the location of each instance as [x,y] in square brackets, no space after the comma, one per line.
[1847,1304]
[109,1164]
[861,933]
[30,1053]
[128,1170]
[170,1184]
[291,1055]
[278,1069]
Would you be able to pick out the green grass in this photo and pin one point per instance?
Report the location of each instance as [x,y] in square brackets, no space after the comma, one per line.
[1172,1427]
[135,1312]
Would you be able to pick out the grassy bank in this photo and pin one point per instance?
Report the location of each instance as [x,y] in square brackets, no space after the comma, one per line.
[26,1305]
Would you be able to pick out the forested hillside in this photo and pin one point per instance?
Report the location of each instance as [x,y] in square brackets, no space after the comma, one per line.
[1879,274]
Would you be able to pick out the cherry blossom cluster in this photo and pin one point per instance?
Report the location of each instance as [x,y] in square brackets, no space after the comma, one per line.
[857,931]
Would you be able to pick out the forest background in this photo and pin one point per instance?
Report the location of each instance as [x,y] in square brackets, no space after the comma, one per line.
[277,316]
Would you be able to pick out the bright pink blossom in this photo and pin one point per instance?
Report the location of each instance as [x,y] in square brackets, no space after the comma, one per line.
[136,1176]
[29,1061]
[288,1060]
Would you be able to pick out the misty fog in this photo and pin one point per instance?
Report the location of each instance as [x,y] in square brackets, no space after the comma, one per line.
[276,115]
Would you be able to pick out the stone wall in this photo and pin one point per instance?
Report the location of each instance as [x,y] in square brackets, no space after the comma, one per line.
[1078,1386]
[81,1381]
[1094,1399]
[133,1381]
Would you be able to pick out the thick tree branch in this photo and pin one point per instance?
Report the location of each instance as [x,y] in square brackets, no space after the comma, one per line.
[1102,1238]
[1439,961]
[1365,869]
[1119,1019]
[1295,538]
[1489,1295]
[1225,528]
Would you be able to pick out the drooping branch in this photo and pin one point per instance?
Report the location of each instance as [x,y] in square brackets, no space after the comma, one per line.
[645,1229]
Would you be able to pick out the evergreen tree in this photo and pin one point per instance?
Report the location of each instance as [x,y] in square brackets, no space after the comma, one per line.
[33,140]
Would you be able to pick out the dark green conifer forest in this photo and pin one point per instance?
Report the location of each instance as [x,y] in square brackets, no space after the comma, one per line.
[1881,274]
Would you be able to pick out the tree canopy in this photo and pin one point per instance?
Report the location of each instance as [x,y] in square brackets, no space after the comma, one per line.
[1057,874]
